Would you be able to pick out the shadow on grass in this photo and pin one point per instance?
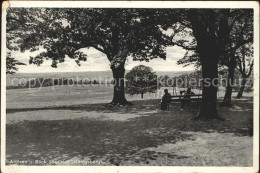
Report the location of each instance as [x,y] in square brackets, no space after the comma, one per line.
[111,141]
[138,105]
[115,142]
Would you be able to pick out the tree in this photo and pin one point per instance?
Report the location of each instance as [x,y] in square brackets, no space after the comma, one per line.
[140,80]
[242,32]
[231,64]
[245,65]
[118,33]
[211,29]
[11,64]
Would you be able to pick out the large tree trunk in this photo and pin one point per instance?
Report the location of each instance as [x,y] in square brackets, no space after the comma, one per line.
[209,58]
[208,108]
[210,46]
[119,86]
[142,95]
[228,94]
[241,90]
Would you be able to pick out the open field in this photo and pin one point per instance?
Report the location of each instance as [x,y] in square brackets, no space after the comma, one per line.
[73,126]
[73,95]
[89,75]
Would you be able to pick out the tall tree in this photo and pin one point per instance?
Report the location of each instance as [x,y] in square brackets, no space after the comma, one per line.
[231,64]
[241,34]
[118,33]
[245,65]
[211,29]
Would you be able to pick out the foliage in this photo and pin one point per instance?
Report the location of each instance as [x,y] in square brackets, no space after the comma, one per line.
[192,80]
[11,64]
[223,76]
[118,33]
[233,29]
[140,80]
[212,29]
[245,61]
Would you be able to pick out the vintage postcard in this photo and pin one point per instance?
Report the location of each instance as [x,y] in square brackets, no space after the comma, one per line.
[130,86]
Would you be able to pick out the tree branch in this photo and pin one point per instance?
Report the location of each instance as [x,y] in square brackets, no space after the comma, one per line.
[243,59]
[240,67]
[99,49]
[185,25]
[184,47]
[239,45]
[236,18]
[251,69]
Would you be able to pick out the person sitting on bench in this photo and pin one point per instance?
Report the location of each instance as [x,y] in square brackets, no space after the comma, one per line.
[166,99]
[186,95]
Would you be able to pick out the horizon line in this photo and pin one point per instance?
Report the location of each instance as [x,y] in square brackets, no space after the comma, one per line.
[101,71]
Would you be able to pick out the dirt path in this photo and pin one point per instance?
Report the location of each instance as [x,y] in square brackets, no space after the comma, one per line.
[208,149]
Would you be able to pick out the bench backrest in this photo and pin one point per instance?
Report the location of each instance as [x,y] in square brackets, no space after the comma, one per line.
[182,96]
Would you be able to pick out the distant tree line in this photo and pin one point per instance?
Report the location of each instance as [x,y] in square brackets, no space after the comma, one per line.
[193,80]
[46,82]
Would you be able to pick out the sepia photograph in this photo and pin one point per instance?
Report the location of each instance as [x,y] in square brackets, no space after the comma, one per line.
[124,86]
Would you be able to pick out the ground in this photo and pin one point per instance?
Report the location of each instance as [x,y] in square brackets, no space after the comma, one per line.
[73,126]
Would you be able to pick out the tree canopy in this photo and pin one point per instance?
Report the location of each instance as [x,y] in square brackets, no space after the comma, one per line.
[215,32]
[140,80]
[118,33]
[236,23]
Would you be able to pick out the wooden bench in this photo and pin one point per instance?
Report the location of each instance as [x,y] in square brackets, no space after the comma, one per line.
[193,98]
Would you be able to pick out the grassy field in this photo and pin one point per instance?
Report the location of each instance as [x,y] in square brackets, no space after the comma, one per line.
[73,126]
[12,79]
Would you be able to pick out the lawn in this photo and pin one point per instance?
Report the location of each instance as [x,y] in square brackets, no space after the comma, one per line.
[142,134]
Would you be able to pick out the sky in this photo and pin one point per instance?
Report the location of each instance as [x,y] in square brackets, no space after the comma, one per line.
[97,61]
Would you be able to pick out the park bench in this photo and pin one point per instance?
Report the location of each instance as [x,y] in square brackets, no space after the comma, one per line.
[192,98]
